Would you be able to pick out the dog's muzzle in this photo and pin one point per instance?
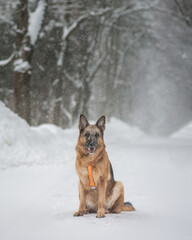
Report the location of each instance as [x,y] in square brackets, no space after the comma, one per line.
[91,147]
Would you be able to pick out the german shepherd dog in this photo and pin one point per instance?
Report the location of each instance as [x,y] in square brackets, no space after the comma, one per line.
[98,191]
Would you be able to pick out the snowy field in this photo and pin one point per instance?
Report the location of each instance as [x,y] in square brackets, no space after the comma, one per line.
[38,183]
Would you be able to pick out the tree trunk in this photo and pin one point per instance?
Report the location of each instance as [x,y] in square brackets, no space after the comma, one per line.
[22,63]
[22,95]
[57,118]
[58,113]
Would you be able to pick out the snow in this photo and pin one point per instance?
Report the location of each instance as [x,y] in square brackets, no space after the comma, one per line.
[21,66]
[22,144]
[185,132]
[35,21]
[39,193]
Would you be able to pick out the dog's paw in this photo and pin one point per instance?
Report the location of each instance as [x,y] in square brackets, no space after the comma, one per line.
[100,214]
[79,213]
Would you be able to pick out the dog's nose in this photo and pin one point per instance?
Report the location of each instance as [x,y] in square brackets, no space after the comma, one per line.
[91,144]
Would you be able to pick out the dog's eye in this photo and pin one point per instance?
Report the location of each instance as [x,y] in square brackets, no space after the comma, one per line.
[87,135]
[96,135]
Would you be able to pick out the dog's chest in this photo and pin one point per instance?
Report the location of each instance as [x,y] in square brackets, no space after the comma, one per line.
[84,171]
[84,177]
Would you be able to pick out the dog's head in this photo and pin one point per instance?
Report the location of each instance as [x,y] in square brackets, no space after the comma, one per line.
[91,136]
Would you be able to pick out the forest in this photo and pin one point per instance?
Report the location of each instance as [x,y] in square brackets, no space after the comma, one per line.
[129,59]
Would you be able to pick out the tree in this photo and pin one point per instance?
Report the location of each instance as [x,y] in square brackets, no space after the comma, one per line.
[87,57]
[185,8]
[28,27]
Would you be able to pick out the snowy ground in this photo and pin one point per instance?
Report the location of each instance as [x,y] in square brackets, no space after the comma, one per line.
[38,183]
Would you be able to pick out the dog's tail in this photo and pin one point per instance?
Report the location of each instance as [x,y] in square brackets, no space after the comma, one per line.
[128,207]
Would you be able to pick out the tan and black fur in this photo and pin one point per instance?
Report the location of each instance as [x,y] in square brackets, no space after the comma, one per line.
[108,195]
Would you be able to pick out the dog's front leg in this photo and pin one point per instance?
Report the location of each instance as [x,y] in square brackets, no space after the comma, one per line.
[82,205]
[101,198]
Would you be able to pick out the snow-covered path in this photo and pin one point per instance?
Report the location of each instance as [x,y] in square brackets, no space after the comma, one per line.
[38,202]
[38,198]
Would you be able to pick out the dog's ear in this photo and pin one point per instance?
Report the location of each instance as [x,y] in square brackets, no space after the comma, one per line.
[83,123]
[101,123]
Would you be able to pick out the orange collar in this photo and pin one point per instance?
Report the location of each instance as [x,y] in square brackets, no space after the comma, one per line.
[90,173]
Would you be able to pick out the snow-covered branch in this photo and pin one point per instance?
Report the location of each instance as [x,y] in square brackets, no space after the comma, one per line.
[7,61]
[21,66]
[68,30]
[75,82]
[35,21]
[120,12]
[98,64]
